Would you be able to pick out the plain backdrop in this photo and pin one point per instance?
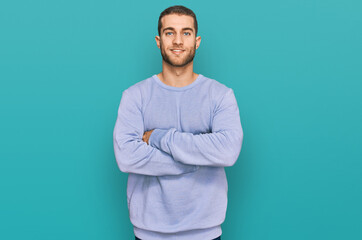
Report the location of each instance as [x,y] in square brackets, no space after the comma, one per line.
[295,68]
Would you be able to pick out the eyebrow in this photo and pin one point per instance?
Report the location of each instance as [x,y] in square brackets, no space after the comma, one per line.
[184,29]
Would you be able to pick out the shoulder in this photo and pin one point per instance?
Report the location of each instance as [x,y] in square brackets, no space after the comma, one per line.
[138,91]
[216,89]
[139,87]
[221,96]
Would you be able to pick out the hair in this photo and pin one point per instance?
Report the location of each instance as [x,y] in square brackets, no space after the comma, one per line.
[180,10]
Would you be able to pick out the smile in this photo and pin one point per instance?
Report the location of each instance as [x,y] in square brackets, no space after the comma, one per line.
[177,51]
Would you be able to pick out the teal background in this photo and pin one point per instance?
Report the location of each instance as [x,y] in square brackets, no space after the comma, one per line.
[295,67]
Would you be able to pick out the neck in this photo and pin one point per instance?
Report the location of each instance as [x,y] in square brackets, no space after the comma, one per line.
[177,76]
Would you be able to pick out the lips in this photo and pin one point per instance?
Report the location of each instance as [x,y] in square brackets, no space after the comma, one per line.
[177,51]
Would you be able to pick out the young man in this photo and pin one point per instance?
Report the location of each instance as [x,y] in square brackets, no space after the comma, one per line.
[175,132]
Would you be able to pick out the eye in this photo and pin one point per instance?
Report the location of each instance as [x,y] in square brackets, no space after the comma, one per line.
[168,33]
[187,33]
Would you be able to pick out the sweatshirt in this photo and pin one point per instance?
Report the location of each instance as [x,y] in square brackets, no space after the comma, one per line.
[177,186]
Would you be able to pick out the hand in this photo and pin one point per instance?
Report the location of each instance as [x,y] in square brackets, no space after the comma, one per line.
[146,136]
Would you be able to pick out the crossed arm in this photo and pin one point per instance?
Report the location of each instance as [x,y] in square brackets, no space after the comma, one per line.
[220,148]
[170,152]
[132,154]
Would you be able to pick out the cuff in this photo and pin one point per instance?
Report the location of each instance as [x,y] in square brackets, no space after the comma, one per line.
[155,138]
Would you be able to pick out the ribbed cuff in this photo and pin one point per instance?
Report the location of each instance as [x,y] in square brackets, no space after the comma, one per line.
[156,136]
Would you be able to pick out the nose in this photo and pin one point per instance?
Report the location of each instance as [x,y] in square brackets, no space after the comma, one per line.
[177,39]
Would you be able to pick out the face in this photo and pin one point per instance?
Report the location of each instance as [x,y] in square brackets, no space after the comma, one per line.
[177,40]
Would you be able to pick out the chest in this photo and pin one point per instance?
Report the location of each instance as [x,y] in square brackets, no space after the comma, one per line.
[186,111]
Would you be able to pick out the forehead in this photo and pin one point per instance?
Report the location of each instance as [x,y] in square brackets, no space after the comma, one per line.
[177,21]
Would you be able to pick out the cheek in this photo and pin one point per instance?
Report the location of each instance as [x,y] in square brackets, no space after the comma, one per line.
[165,44]
[191,43]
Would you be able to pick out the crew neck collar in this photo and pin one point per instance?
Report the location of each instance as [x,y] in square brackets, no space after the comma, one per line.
[159,82]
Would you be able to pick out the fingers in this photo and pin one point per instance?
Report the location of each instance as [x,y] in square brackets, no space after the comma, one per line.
[146,136]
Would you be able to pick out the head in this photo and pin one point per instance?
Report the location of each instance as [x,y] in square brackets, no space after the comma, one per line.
[178,40]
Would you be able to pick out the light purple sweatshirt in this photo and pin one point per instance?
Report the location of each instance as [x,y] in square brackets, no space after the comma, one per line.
[177,187]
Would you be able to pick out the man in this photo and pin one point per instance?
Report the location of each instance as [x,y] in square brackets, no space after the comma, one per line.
[175,132]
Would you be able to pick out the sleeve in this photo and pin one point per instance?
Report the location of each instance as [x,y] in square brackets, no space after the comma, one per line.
[220,148]
[132,154]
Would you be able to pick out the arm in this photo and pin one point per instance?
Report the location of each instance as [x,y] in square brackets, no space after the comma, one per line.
[220,148]
[132,154]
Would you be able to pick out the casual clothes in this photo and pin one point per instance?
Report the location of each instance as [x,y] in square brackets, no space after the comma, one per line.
[177,187]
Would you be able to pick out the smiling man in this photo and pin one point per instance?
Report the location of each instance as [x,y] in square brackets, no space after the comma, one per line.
[175,132]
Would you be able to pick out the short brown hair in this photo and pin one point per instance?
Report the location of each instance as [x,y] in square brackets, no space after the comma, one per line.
[180,10]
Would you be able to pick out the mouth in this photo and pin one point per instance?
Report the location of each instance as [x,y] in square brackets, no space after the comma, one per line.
[177,51]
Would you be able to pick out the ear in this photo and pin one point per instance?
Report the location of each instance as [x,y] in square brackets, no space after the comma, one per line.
[157,38]
[198,41]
